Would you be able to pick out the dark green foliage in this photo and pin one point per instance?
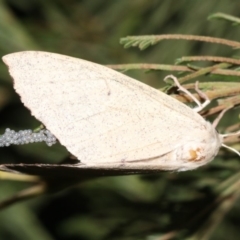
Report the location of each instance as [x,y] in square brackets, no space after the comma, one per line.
[188,204]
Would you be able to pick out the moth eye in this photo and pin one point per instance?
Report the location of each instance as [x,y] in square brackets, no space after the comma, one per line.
[194,155]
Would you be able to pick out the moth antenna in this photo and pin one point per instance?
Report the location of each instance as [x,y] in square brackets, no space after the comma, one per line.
[219,117]
[230,148]
[200,93]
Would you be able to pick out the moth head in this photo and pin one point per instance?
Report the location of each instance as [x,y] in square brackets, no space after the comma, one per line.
[200,151]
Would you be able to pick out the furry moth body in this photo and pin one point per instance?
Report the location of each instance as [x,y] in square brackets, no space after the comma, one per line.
[105,118]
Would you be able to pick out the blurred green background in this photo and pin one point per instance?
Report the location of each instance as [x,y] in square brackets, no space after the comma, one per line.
[189,205]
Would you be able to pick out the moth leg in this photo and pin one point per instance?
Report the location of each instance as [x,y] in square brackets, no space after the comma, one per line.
[201,94]
[223,136]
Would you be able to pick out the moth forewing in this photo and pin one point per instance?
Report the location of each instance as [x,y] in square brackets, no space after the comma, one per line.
[104,117]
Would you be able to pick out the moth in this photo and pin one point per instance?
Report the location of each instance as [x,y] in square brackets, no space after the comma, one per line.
[109,121]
